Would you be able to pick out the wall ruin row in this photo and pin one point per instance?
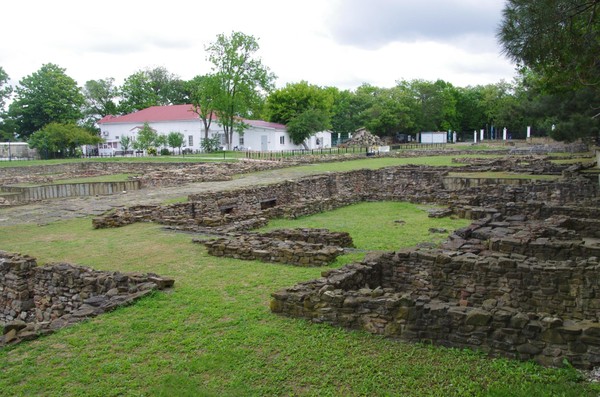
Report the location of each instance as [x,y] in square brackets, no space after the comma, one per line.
[37,300]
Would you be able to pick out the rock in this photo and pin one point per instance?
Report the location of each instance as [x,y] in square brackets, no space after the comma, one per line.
[15,325]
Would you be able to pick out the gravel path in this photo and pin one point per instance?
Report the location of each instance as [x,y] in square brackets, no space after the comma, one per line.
[47,211]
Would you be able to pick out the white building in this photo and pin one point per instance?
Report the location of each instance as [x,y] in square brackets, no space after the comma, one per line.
[433,137]
[260,135]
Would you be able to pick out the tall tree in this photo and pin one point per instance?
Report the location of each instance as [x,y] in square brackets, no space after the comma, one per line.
[203,92]
[242,79]
[46,96]
[5,90]
[558,40]
[6,127]
[284,104]
[101,97]
[151,87]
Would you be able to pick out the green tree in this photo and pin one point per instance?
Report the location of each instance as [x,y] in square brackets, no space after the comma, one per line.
[6,126]
[390,111]
[126,143]
[307,124]
[347,111]
[558,41]
[204,91]
[5,90]
[287,103]
[101,97]
[61,140]
[242,79]
[175,140]
[146,138]
[151,87]
[46,96]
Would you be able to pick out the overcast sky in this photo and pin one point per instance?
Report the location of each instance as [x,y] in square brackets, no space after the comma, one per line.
[341,43]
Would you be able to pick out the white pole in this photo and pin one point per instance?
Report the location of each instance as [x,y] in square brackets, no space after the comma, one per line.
[504,134]
[474,136]
[528,132]
[481,134]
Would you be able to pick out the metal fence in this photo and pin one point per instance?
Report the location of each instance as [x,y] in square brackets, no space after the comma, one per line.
[281,154]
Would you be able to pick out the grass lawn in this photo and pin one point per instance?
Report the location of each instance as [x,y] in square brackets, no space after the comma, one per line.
[214,334]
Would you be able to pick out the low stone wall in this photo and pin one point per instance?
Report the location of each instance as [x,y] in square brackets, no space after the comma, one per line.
[22,194]
[39,300]
[321,193]
[538,300]
[300,247]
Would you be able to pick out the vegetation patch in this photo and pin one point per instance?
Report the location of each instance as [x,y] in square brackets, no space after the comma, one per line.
[214,334]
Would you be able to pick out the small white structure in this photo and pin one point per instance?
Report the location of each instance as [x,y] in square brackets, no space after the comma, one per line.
[16,151]
[433,137]
[260,135]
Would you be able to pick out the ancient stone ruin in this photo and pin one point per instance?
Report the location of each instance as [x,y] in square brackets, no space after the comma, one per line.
[300,247]
[520,282]
[38,300]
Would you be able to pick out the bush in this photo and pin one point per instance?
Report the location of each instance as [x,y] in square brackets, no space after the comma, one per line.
[165,152]
[152,151]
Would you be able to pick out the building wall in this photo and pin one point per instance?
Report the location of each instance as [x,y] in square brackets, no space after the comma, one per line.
[254,138]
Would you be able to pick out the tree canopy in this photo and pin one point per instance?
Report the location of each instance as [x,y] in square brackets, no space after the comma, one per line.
[101,97]
[557,41]
[242,80]
[61,140]
[46,96]
[151,87]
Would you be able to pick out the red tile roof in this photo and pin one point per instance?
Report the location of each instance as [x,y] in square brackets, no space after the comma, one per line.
[154,114]
[173,113]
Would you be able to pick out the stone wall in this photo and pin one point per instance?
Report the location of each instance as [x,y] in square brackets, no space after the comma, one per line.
[321,193]
[36,300]
[535,298]
[22,194]
[300,247]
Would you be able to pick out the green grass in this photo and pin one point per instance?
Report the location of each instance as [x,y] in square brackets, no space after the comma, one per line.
[193,158]
[214,334]
[378,226]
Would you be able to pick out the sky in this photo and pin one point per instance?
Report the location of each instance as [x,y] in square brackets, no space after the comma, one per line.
[341,43]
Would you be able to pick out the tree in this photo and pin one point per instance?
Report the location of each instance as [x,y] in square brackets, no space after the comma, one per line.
[204,91]
[346,111]
[126,142]
[146,138]
[241,77]
[46,96]
[6,126]
[307,124]
[61,140]
[101,98]
[5,90]
[287,103]
[558,41]
[175,140]
[151,87]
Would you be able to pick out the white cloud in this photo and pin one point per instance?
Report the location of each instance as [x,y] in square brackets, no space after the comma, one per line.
[326,42]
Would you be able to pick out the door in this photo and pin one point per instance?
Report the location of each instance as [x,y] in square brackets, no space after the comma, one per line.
[264,146]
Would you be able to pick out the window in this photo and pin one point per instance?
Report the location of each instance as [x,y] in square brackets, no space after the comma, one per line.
[117,137]
[241,140]
[282,140]
[190,140]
